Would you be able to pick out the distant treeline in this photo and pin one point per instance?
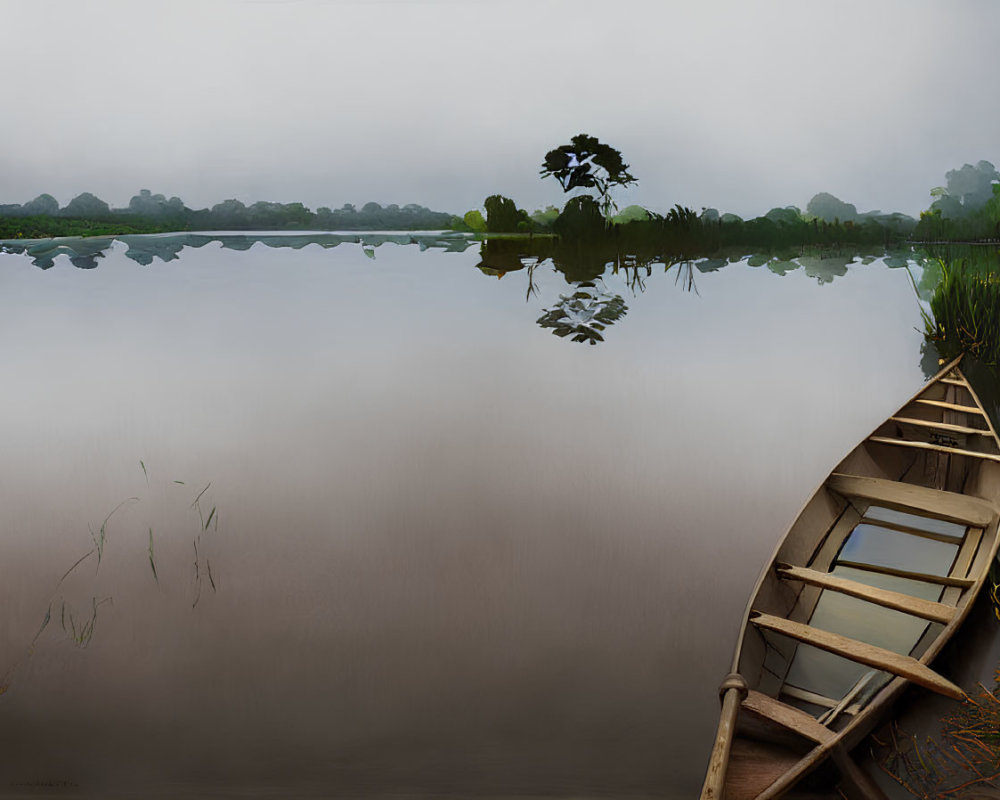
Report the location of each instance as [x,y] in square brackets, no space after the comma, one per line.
[966,209]
[87,215]
[826,222]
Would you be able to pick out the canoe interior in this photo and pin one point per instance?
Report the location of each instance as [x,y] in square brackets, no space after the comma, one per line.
[891,563]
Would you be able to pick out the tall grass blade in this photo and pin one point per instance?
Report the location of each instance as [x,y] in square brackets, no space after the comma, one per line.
[152,561]
[200,494]
[45,623]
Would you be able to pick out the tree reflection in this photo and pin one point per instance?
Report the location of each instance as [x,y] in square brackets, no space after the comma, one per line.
[585,314]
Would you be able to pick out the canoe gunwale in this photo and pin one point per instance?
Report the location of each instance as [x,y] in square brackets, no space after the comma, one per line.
[964,590]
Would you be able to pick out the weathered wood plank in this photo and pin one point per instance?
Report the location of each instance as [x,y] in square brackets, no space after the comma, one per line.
[915,606]
[941,580]
[941,426]
[806,696]
[788,717]
[855,783]
[715,778]
[937,448]
[949,506]
[951,406]
[861,653]
[946,538]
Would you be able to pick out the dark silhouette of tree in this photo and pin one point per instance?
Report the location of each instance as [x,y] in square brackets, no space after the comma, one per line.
[156,206]
[87,206]
[43,205]
[580,218]
[587,163]
[968,189]
[831,209]
[503,215]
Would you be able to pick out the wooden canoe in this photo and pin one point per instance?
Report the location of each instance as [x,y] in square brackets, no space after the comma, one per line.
[877,572]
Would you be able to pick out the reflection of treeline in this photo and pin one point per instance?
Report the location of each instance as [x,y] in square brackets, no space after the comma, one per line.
[587,260]
[153,213]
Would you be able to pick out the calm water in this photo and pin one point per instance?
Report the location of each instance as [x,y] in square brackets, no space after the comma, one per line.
[451,552]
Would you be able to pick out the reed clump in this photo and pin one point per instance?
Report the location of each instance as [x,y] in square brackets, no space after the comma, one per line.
[965,312]
[963,762]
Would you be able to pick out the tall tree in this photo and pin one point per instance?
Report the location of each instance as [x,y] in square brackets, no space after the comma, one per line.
[587,163]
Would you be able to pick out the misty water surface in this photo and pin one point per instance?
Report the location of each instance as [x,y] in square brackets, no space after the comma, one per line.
[450,552]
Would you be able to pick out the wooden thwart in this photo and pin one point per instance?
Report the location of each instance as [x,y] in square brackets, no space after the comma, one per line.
[938,448]
[949,506]
[861,653]
[941,580]
[788,717]
[915,606]
[951,406]
[947,538]
[941,426]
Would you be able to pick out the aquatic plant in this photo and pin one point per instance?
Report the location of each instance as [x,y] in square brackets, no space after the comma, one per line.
[964,312]
[79,627]
[963,763]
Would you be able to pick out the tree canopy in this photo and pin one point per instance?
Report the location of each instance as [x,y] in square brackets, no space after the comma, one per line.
[587,163]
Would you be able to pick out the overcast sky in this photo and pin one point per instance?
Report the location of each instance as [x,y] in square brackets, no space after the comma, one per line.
[733,104]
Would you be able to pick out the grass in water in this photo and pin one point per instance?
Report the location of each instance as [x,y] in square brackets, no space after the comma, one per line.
[963,763]
[965,313]
[79,628]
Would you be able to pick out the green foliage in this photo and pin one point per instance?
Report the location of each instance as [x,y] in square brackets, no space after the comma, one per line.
[828,208]
[581,218]
[965,308]
[630,214]
[544,218]
[967,209]
[42,227]
[87,215]
[587,163]
[503,216]
[86,206]
[474,221]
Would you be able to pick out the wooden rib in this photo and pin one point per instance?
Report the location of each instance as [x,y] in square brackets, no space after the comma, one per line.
[941,426]
[849,698]
[937,448]
[915,606]
[951,406]
[788,717]
[855,783]
[942,580]
[895,526]
[861,653]
[954,381]
[806,696]
[967,553]
[949,506]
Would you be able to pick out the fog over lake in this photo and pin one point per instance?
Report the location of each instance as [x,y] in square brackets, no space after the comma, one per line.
[738,106]
[441,550]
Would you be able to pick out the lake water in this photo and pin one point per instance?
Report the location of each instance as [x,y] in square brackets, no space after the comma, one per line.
[441,550]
